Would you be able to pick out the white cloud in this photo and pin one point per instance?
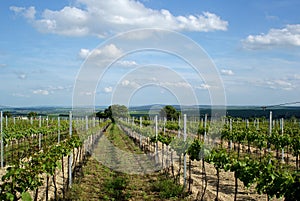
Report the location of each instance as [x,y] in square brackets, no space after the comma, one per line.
[203,86]
[175,84]
[2,65]
[288,36]
[227,72]
[127,63]
[108,89]
[108,51]
[102,18]
[41,92]
[28,13]
[278,84]
[127,83]
[84,53]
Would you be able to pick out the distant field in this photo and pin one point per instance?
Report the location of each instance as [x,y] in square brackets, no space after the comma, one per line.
[234,111]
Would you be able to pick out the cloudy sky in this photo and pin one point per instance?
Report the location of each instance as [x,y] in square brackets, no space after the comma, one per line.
[254,45]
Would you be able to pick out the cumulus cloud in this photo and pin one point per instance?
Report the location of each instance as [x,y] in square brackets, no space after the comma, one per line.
[288,36]
[28,13]
[102,18]
[108,51]
[84,53]
[127,83]
[41,92]
[227,72]
[108,89]
[203,86]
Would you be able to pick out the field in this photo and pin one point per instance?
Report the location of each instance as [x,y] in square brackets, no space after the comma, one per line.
[195,159]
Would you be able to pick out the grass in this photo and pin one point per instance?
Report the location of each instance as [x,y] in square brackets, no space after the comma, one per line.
[101,183]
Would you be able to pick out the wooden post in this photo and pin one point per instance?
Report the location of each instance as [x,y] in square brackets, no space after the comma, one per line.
[156,144]
[1,131]
[270,130]
[184,159]
[70,156]
[58,134]
[282,150]
[205,124]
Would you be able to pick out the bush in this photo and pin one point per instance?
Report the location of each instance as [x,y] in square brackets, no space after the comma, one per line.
[167,189]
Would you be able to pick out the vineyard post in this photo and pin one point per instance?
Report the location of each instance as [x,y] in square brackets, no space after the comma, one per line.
[205,123]
[184,157]
[6,121]
[132,123]
[178,127]
[58,131]
[165,119]
[86,123]
[70,156]
[282,149]
[40,134]
[1,130]
[140,133]
[156,144]
[47,120]
[94,121]
[270,131]
[14,120]
[31,120]
[230,130]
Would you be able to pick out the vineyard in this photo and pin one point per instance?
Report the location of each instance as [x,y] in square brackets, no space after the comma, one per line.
[263,155]
[41,157]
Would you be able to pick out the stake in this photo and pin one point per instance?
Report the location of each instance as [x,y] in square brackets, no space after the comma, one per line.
[184,159]
[58,124]
[270,130]
[1,130]
[71,156]
[156,144]
[282,150]
[205,123]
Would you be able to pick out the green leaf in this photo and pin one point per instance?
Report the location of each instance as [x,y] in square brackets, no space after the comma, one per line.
[26,196]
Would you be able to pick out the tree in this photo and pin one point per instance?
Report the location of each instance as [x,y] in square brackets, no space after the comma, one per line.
[169,112]
[31,114]
[7,114]
[114,112]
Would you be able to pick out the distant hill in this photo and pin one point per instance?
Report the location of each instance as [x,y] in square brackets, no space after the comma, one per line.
[234,111]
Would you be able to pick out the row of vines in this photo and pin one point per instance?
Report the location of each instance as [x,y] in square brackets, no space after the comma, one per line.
[36,151]
[261,153]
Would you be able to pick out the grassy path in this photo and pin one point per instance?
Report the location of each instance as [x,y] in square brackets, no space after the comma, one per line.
[98,182]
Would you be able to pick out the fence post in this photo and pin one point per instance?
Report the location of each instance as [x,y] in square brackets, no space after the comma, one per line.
[1,131]
[184,156]
[70,156]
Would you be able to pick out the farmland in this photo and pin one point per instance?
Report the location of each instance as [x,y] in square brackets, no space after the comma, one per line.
[230,158]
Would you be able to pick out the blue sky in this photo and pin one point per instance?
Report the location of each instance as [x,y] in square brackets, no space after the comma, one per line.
[255,46]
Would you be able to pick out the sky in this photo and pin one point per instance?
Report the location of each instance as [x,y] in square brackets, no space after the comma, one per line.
[254,47]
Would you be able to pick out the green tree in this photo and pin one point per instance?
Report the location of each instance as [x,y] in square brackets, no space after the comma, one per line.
[32,114]
[114,112]
[7,114]
[169,112]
